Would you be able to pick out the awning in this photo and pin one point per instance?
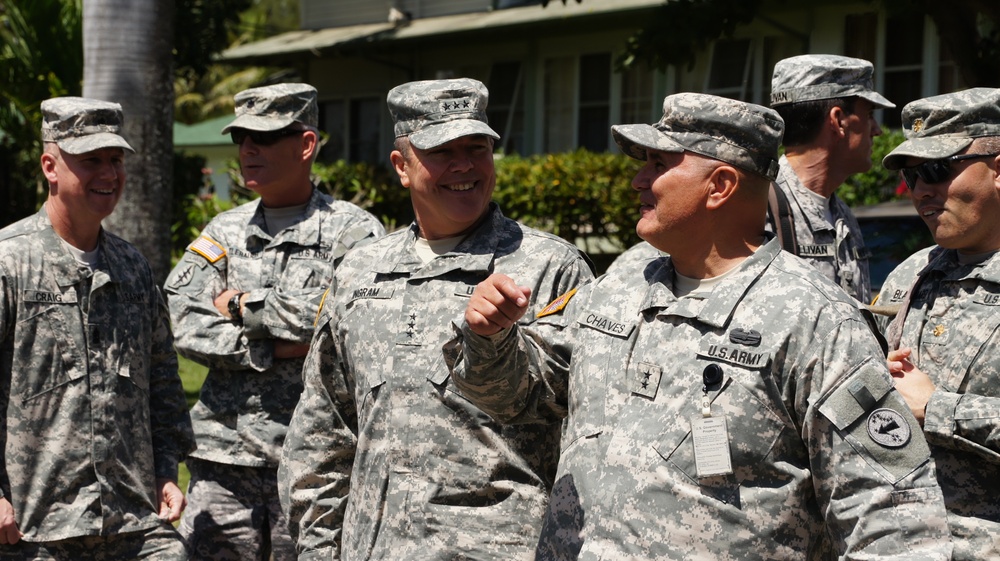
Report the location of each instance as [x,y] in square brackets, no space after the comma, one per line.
[345,38]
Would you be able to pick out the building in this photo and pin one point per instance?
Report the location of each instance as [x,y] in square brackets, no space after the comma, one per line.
[551,70]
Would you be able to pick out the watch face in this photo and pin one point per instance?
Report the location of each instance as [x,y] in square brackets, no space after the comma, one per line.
[888,428]
[234,306]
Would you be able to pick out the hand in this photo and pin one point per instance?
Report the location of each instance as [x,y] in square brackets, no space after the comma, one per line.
[496,304]
[911,382]
[172,500]
[288,349]
[9,534]
[221,302]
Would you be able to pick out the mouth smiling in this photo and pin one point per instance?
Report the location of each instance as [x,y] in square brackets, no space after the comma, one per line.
[460,186]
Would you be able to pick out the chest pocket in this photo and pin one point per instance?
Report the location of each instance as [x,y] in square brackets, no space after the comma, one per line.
[954,337]
[754,429]
[308,267]
[51,324]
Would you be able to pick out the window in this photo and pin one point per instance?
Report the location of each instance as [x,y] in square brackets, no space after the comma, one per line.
[742,68]
[506,106]
[578,103]
[904,61]
[637,104]
[353,129]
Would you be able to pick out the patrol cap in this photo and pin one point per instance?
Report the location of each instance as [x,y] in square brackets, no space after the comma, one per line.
[271,108]
[79,125]
[433,112]
[738,133]
[813,77]
[944,125]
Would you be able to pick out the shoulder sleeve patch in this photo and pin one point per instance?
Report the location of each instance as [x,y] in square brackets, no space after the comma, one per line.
[207,248]
[556,305]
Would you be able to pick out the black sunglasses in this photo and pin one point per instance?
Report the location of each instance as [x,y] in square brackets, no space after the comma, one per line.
[935,171]
[262,138]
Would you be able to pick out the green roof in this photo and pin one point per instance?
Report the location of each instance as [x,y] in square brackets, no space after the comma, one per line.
[206,133]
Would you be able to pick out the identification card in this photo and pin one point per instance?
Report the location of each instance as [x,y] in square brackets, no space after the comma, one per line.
[711,446]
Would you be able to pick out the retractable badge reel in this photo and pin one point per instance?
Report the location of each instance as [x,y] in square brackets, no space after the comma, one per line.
[710,433]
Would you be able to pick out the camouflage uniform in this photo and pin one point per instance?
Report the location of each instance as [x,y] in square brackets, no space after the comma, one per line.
[824,458]
[384,460]
[635,257]
[836,248]
[247,398]
[433,477]
[94,411]
[949,317]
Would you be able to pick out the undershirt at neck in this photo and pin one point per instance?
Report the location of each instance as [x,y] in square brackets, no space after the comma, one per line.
[968,259]
[427,250]
[277,219]
[687,286]
[90,259]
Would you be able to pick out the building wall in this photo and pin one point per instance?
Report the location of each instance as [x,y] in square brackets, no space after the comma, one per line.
[319,14]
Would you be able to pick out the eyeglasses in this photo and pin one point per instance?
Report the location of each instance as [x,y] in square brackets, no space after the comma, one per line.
[262,138]
[935,171]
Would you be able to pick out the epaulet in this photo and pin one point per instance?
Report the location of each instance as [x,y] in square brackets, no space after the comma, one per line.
[207,248]
[556,305]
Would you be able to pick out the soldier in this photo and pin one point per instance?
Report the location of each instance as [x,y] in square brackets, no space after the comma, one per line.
[728,403]
[944,341]
[243,300]
[384,460]
[828,105]
[94,419]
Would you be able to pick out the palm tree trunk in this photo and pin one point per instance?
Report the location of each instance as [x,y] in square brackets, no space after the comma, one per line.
[127,58]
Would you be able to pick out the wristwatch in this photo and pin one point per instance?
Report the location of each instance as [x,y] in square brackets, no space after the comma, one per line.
[234,307]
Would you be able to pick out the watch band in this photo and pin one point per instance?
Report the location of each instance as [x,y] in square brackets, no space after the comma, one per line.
[234,307]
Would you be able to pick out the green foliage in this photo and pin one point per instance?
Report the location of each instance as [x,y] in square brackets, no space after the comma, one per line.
[680,29]
[877,184]
[373,188]
[41,42]
[573,195]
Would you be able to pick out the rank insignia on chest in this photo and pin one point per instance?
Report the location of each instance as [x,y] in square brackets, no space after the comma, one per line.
[556,305]
[939,330]
[645,379]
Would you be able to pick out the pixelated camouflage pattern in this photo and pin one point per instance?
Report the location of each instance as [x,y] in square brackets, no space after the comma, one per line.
[836,249]
[623,364]
[93,410]
[434,112]
[815,77]
[248,395]
[944,125]
[739,133]
[433,477]
[951,321]
[79,125]
[270,108]
[636,257]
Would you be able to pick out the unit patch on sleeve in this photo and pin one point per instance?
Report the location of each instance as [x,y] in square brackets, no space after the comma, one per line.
[556,305]
[207,248]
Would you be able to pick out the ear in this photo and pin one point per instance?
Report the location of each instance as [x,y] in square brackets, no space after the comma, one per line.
[401,167]
[49,163]
[722,185]
[836,120]
[995,166]
[310,144]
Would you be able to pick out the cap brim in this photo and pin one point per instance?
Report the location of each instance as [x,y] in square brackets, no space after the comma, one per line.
[436,135]
[930,148]
[634,140]
[877,99]
[257,123]
[91,142]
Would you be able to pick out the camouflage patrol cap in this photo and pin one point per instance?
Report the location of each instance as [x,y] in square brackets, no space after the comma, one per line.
[271,108]
[813,77]
[79,125]
[433,112]
[944,125]
[738,133]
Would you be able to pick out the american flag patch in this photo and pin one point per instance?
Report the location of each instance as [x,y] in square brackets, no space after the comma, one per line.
[208,248]
[556,305]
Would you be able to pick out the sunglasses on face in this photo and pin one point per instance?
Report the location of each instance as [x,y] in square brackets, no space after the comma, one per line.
[262,138]
[935,171]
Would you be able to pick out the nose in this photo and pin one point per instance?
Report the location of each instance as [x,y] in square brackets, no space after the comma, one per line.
[248,145]
[642,180]
[876,128]
[461,162]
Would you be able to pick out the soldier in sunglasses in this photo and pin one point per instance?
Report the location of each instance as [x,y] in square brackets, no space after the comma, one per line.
[944,338]
[243,299]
